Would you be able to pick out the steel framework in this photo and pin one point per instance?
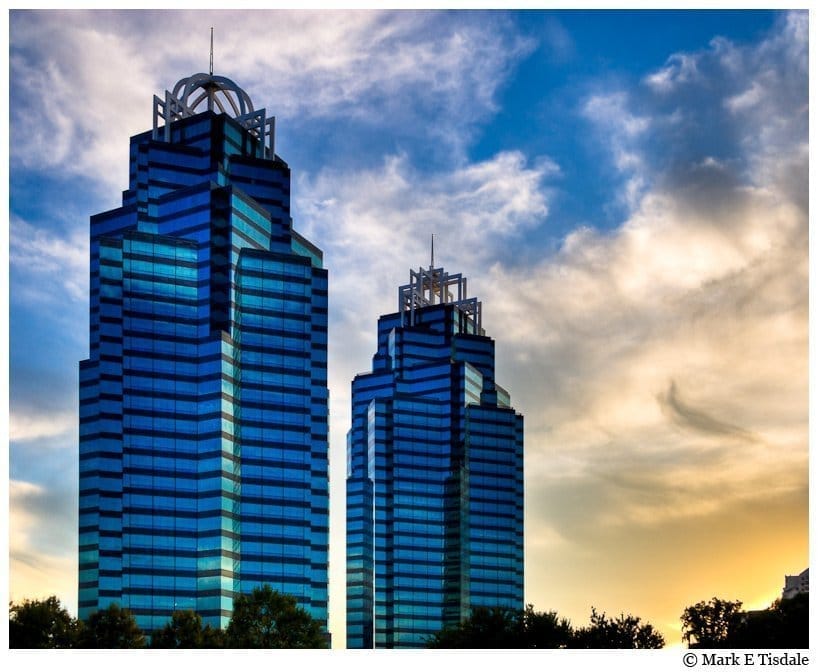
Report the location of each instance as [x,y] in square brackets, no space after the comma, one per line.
[216,94]
[431,286]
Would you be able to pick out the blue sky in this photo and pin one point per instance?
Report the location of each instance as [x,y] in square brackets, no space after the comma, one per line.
[626,192]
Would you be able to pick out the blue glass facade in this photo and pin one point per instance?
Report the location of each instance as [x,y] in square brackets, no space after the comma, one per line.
[434,476]
[203,402]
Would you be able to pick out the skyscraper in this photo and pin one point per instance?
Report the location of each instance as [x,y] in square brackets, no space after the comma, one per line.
[434,473]
[203,402]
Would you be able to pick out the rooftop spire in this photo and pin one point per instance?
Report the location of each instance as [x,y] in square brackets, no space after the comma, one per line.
[211,51]
[432,265]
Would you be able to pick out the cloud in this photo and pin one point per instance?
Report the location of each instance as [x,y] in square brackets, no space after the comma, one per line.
[385,218]
[42,543]
[687,416]
[67,99]
[718,305]
[72,103]
[48,266]
[375,224]
[621,132]
[737,104]
[679,69]
[559,41]
[662,365]
[38,426]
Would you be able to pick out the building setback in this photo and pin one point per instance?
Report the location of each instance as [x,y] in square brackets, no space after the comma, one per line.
[203,402]
[434,473]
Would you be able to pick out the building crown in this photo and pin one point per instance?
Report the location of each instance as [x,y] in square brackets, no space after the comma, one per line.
[433,286]
[214,93]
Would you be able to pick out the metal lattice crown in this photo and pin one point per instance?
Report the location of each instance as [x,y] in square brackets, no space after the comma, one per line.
[214,93]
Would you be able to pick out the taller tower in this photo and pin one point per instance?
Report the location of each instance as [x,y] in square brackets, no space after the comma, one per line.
[203,402]
[434,473]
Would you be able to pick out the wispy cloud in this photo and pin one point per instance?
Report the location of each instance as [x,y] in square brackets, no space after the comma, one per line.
[386,70]
[680,69]
[687,416]
[384,217]
[622,132]
[42,552]
[49,266]
[42,425]
[717,304]
[376,224]
[662,365]
[739,104]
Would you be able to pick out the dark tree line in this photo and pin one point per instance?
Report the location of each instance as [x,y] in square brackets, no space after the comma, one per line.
[716,623]
[528,629]
[261,619]
[268,619]
[719,623]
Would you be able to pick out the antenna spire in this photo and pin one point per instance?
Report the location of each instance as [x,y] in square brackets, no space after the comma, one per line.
[433,251]
[211,51]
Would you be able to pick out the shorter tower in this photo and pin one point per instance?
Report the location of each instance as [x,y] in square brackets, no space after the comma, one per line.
[434,473]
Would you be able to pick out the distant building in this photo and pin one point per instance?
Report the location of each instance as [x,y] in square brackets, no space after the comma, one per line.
[794,585]
[434,473]
[203,450]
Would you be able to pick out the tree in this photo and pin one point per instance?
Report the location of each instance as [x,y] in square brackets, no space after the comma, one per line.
[486,628]
[624,632]
[708,625]
[267,619]
[185,631]
[112,628]
[785,625]
[795,622]
[545,630]
[498,628]
[42,624]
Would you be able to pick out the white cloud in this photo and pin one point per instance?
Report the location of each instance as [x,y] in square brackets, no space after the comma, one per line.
[664,372]
[32,426]
[662,366]
[679,69]
[621,132]
[93,86]
[52,266]
[746,99]
[610,111]
[376,224]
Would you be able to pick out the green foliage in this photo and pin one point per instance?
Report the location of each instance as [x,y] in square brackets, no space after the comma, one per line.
[528,629]
[266,619]
[493,628]
[785,625]
[112,628]
[42,624]
[708,625]
[624,632]
[545,630]
[185,631]
[794,623]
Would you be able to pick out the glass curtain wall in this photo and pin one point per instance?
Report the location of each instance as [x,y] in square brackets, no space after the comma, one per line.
[203,402]
[434,482]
